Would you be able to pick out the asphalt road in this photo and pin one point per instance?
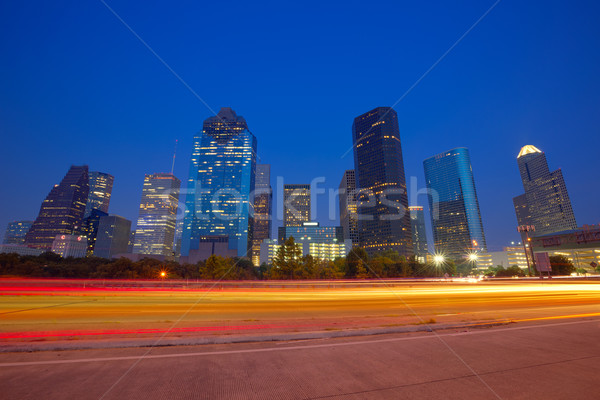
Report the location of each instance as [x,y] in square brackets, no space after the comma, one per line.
[530,360]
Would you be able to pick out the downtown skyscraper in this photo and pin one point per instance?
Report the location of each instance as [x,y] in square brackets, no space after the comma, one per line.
[155,229]
[545,203]
[220,184]
[263,202]
[419,236]
[62,211]
[453,204]
[383,218]
[348,210]
[296,204]
[101,185]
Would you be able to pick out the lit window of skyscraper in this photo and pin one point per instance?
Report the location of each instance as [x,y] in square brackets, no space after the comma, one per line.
[348,211]
[62,211]
[221,180]
[296,204]
[383,218]
[158,209]
[455,215]
[545,204]
[101,185]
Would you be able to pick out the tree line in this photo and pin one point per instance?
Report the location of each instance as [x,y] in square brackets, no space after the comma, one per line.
[288,263]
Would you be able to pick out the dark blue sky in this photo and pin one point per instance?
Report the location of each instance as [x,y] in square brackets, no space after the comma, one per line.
[76,87]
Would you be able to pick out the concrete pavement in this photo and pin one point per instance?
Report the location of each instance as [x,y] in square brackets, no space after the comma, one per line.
[558,360]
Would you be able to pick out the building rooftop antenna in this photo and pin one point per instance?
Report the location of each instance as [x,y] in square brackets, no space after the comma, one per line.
[174,154]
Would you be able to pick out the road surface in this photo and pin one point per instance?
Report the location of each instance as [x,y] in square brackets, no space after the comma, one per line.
[549,360]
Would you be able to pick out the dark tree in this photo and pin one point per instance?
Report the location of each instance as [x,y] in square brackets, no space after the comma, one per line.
[561,265]
[356,256]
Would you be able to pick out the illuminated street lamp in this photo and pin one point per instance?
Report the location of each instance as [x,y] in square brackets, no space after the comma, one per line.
[438,259]
[473,257]
[163,274]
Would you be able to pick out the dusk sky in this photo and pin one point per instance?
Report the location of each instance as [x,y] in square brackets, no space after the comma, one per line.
[78,87]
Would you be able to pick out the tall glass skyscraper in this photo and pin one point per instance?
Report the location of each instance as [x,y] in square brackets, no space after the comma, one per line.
[16,231]
[263,200]
[453,204]
[101,185]
[112,237]
[89,228]
[417,224]
[383,218]
[545,204]
[62,211]
[296,204]
[221,180]
[348,211]
[158,211]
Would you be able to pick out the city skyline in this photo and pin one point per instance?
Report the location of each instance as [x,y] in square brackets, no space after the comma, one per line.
[457,104]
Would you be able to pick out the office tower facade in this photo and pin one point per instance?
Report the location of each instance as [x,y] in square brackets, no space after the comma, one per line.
[348,211]
[89,228]
[178,235]
[158,210]
[296,204]
[453,204]
[131,242]
[263,200]
[419,236]
[62,211]
[101,185]
[545,203]
[383,218]
[221,180]
[112,237]
[16,231]
[522,210]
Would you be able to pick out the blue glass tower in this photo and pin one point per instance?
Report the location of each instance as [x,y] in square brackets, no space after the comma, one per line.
[453,204]
[221,181]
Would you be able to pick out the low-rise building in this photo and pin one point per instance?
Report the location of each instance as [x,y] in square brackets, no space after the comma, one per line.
[321,242]
[70,246]
[509,256]
[207,246]
[21,250]
[581,246]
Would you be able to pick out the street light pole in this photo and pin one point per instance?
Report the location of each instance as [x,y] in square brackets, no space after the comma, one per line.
[527,243]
